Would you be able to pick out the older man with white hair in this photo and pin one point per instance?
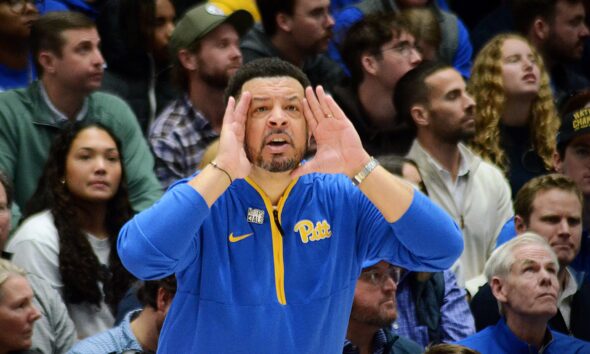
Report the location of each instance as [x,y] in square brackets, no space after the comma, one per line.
[523,276]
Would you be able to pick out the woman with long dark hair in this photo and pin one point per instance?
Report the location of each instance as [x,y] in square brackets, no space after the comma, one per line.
[72,222]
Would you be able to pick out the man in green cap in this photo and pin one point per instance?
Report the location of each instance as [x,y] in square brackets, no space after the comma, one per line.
[206,53]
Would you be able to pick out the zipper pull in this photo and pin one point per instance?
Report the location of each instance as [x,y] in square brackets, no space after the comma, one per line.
[275,214]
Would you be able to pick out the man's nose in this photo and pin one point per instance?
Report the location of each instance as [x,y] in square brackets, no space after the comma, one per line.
[277,117]
[564,227]
[415,57]
[235,51]
[469,102]
[169,29]
[97,58]
[547,278]
[329,20]
[389,284]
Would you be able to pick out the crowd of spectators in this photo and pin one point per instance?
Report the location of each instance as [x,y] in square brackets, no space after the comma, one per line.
[106,104]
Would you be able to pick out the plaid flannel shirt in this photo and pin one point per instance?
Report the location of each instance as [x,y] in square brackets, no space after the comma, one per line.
[178,138]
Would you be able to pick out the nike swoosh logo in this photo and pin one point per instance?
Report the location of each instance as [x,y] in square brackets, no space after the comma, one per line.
[233,238]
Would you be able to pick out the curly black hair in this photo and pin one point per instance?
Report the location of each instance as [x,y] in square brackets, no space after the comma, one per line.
[80,269]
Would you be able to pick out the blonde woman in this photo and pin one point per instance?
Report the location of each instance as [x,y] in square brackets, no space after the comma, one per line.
[516,120]
[17,312]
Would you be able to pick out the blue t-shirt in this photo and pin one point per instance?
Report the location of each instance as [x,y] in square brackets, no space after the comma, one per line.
[12,78]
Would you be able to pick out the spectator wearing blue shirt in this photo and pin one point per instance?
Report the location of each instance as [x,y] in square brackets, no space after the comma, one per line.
[90,8]
[432,307]
[523,275]
[140,329]
[16,67]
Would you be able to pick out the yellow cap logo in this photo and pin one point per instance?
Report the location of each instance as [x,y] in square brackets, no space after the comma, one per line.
[581,119]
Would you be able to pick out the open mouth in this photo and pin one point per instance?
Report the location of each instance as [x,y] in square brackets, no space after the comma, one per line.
[530,78]
[277,142]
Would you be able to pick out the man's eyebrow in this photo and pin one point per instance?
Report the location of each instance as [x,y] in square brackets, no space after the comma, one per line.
[293,98]
[581,144]
[528,261]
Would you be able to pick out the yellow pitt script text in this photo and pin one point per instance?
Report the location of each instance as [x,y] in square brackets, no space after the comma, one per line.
[308,232]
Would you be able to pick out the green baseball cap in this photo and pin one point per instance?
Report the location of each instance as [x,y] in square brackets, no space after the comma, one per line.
[202,19]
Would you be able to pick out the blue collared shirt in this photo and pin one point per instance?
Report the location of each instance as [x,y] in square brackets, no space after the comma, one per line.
[115,340]
[499,339]
[456,319]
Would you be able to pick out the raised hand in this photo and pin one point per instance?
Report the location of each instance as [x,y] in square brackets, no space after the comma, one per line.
[339,147]
[231,155]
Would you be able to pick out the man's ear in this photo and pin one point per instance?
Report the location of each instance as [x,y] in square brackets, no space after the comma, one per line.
[498,289]
[369,63]
[284,22]
[557,162]
[520,225]
[187,59]
[163,300]
[47,60]
[540,29]
[420,115]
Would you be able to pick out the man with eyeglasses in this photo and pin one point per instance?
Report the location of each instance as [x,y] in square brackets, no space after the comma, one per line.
[433,99]
[297,31]
[374,309]
[16,66]
[378,51]
[455,47]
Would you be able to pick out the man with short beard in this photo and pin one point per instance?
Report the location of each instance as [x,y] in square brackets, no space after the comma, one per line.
[373,311]
[207,54]
[297,31]
[433,99]
[267,248]
[557,28]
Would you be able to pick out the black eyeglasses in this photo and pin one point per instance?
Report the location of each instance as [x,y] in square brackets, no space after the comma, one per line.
[378,277]
[19,6]
[404,49]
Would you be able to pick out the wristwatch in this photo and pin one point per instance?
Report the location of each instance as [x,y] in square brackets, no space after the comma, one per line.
[369,167]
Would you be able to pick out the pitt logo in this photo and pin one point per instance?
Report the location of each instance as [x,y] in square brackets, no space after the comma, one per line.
[308,232]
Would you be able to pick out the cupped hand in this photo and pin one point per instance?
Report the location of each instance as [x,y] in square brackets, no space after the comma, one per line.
[231,155]
[339,147]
